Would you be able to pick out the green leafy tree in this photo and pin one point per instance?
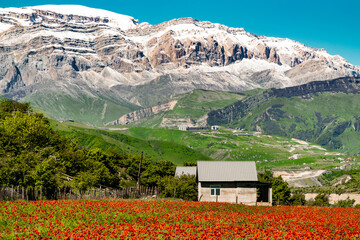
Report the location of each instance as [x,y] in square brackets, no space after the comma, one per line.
[45,175]
[7,107]
[157,171]
[183,187]
[187,187]
[26,132]
[321,200]
[347,203]
[189,164]
[298,199]
[281,192]
[84,181]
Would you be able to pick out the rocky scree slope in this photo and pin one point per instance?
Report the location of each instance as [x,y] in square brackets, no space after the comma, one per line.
[110,65]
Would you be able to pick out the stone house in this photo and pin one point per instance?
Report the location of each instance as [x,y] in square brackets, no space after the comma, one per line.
[230,181]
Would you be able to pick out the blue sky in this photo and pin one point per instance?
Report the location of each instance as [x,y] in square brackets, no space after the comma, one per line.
[333,25]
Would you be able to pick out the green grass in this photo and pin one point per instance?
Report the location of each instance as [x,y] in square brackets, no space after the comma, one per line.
[328,119]
[191,107]
[269,152]
[87,108]
[157,149]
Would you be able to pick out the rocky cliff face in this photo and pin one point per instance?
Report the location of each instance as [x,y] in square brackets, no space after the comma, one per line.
[103,54]
[143,113]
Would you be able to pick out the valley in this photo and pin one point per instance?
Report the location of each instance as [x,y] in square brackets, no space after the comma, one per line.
[117,84]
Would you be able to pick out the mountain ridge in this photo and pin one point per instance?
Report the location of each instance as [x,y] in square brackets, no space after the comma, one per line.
[345,85]
[47,51]
[322,112]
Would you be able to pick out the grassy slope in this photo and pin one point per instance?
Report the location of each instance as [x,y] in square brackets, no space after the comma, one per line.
[199,102]
[296,117]
[82,107]
[192,106]
[270,151]
[158,149]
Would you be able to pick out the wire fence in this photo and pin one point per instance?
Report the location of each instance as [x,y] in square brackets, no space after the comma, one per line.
[40,193]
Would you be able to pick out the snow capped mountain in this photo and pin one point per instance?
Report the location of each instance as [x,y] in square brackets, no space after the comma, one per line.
[79,50]
[76,14]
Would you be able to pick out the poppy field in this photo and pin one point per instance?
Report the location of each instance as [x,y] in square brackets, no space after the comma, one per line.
[162,219]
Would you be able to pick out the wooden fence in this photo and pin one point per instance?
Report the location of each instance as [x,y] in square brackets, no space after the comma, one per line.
[40,193]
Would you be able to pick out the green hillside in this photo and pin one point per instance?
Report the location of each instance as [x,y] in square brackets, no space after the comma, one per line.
[270,152]
[329,119]
[191,108]
[83,107]
[105,140]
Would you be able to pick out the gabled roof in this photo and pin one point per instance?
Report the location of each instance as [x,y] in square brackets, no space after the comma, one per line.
[185,171]
[226,171]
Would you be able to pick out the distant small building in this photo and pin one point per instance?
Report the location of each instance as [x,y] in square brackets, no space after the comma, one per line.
[214,127]
[185,171]
[244,134]
[197,128]
[187,128]
[183,127]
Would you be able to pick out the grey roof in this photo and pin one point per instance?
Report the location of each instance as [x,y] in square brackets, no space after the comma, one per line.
[226,171]
[185,171]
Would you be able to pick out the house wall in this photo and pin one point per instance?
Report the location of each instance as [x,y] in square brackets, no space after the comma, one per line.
[229,192]
[247,195]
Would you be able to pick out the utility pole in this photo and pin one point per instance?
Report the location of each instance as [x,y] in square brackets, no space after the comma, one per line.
[139,173]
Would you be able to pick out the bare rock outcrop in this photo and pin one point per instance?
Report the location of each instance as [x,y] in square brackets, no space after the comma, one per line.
[143,113]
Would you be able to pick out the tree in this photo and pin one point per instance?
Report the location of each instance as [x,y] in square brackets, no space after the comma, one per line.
[187,187]
[7,107]
[189,164]
[298,199]
[347,203]
[45,175]
[157,171]
[280,189]
[84,181]
[321,200]
[183,187]
[26,132]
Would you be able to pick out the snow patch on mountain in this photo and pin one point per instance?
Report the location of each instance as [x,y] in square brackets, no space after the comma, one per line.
[112,19]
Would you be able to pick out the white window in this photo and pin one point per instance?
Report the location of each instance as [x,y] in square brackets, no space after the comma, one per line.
[215,190]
